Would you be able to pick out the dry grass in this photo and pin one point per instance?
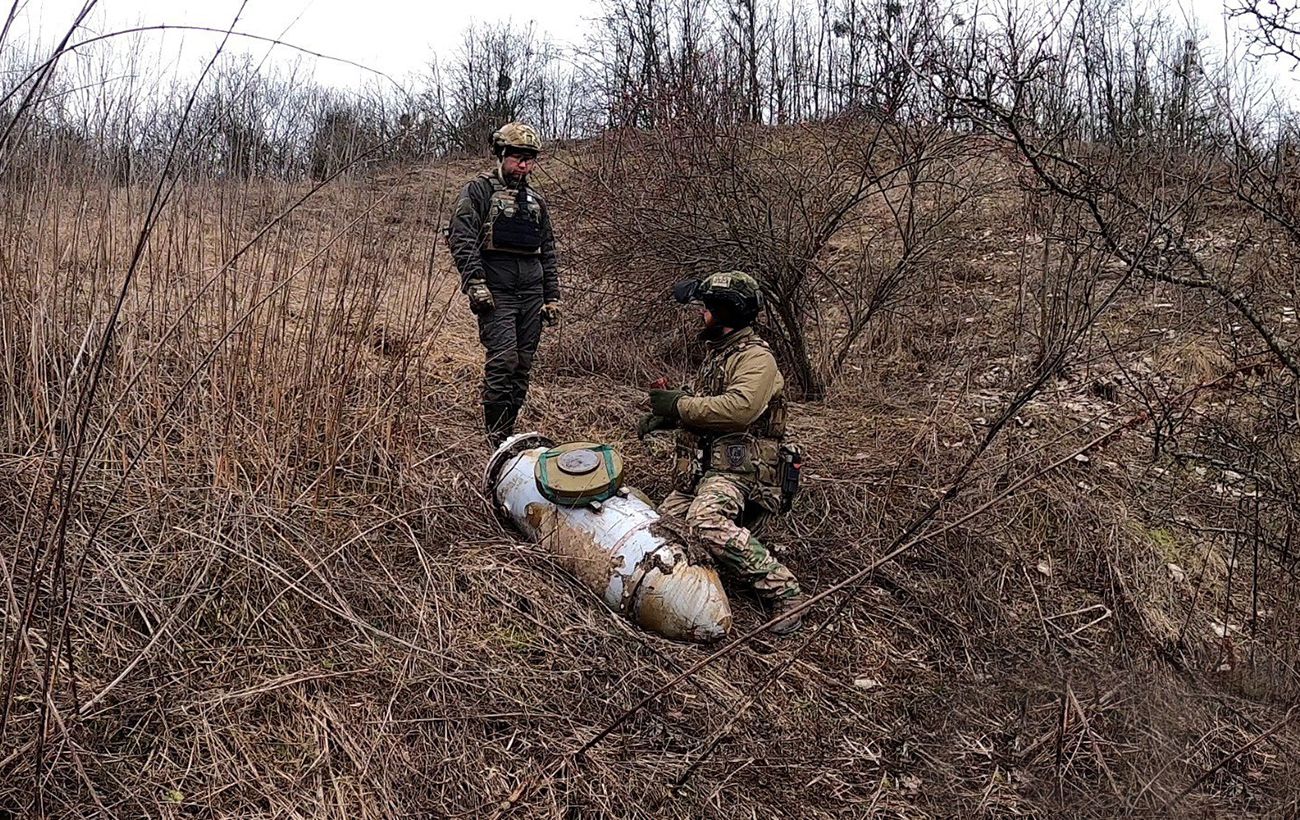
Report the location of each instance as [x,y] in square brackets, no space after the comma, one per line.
[298,604]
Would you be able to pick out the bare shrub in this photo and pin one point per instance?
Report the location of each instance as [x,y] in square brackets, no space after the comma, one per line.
[247,565]
[842,222]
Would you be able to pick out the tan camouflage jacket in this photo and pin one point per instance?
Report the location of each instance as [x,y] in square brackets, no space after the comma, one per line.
[737,382]
[736,423]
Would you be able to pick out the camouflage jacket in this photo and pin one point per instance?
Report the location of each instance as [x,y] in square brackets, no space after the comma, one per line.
[735,422]
[734,387]
[520,272]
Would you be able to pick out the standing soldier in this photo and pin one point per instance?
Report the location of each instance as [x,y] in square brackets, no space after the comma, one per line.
[500,235]
[730,431]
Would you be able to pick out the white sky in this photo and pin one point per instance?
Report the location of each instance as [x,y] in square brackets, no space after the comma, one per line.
[393,36]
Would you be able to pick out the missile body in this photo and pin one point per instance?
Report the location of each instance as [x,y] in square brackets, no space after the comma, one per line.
[614,546]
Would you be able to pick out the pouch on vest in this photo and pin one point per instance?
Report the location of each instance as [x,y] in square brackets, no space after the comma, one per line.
[733,453]
[790,470]
[772,423]
[688,462]
[514,226]
[766,493]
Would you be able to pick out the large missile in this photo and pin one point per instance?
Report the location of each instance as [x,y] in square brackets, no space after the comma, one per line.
[567,499]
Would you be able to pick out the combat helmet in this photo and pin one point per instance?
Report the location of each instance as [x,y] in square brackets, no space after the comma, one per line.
[734,297]
[516,135]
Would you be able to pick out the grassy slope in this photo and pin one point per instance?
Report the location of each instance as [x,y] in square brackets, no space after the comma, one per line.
[299,605]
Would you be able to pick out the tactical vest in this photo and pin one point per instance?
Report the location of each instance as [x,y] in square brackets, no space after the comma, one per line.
[753,454]
[513,223]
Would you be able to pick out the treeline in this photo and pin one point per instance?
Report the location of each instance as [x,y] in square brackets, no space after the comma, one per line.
[1092,71]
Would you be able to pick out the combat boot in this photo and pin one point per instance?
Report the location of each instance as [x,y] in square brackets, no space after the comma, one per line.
[788,622]
[498,421]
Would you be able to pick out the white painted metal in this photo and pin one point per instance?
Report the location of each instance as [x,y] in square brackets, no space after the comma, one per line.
[612,549]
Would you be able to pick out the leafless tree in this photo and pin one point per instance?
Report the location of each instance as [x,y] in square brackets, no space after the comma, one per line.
[499,74]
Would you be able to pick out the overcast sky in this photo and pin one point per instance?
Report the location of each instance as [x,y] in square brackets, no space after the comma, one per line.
[396,37]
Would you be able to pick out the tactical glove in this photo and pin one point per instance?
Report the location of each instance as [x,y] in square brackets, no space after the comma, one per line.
[649,423]
[664,402]
[480,297]
[551,313]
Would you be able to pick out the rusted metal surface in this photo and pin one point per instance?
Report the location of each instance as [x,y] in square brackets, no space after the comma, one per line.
[611,548]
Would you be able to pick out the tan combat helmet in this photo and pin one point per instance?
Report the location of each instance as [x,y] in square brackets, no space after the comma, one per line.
[515,135]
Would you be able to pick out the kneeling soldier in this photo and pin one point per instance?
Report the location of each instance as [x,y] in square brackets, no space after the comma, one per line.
[730,428]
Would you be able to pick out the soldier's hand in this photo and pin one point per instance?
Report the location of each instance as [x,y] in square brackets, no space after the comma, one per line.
[649,423]
[664,402]
[480,297]
[551,313]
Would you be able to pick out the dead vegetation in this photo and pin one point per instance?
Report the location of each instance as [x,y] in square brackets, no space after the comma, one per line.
[280,593]
[246,568]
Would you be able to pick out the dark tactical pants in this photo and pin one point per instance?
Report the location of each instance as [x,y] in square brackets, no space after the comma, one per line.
[510,334]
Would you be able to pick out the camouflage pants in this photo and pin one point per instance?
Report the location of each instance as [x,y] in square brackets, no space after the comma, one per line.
[712,514]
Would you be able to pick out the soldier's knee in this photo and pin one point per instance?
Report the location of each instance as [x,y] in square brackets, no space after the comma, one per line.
[524,364]
[712,530]
[502,360]
[675,503]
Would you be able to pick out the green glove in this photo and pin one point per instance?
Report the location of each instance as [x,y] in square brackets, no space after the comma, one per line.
[649,423]
[664,402]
